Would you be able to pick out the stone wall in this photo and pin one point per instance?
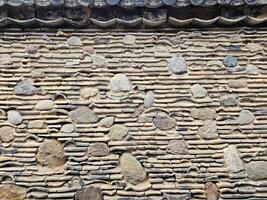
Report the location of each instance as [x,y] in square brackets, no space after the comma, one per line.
[116,115]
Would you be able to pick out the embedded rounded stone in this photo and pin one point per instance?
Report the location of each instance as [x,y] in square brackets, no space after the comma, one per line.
[32,49]
[212,191]
[254,47]
[89,193]
[38,73]
[177,147]
[256,170]
[229,100]
[120,83]
[242,83]
[89,49]
[99,60]
[98,149]
[12,192]
[67,128]
[36,124]
[129,39]
[5,59]
[253,70]
[149,99]
[6,133]
[245,117]
[230,61]
[74,41]
[118,132]
[51,154]
[163,121]
[132,169]
[14,117]
[25,87]
[233,160]
[203,113]
[177,65]
[107,122]
[44,105]
[208,130]
[87,93]
[198,91]
[83,115]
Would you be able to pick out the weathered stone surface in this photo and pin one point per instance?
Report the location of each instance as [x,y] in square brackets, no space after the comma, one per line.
[14,117]
[233,160]
[51,154]
[186,196]
[12,192]
[5,59]
[36,124]
[254,47]
[239,83]
[120,83]
[89,193]
[230,61]
[38,73]
[89,49]
[149,99]
[256,170]
[83,115]
[67,128]
[203,113]
[6,133]
[98,149]
[74,41]
[132,169]
[107,122]
[212,191]
[198,91]
[99,60]
[253,70]
[87,93]
[177,65]
[44,105]
[177,147]
[32,49]
[163,121]
[117,132]
[25,87]
[208,130]
[245,117]
[129,39]
[229,100]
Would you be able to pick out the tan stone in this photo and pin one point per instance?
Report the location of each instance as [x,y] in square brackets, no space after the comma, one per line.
[208,130]
[163,121]
[241,83]
[212,191]
[177,147]
[89,193]
[98,149]
[83,115]
[12,192]
[44,105]
[117,132]
[6,133]
[87,93]
[203,113]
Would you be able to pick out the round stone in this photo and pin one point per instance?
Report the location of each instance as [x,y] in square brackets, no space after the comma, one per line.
[118,132]
[6,133]
[74,41]
[89,193]
[83,115]
[25,87]
[14,117]
[132,169]
[198,91]
[208,130]
[51,154]
[32,49]
[98,149]
[149,99]
[67,128]
[89,49]
[229,100]
[129,40]
[99,60]
[245,117]
[177,147]
[163,121]
[256,170]
[253,70]
[230,61]
[120,83]
[107,122]
[242,83]
[177,65]
[44,105]
[12,192]
[87,93]
[203,113]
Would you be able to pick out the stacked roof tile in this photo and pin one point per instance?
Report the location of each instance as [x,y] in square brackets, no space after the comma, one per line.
[116,115]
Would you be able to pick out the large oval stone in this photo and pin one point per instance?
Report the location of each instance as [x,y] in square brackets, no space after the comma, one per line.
[229,100]
[14,117]
[177,147]
[51,154]
[6,133]
[132,169]
[44,105]
[83,115]
[163,121]
[203,113]
[177,64]
[117,132]
[208,130]
[149,99]
[12,192]
[25,87]
[120,83]
[245,117]
[256,170]
[107,122]
[67,128]
[89,193]
[98,149]
[198,91]
[74,41]
[233,160]
[230,61]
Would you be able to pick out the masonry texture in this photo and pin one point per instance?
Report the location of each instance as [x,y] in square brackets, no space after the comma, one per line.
[139,115]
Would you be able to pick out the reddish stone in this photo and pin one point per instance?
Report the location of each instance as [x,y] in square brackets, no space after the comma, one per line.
[89,193]
[212,191]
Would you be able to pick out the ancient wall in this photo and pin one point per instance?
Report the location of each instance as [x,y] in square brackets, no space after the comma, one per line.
[116,115]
